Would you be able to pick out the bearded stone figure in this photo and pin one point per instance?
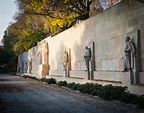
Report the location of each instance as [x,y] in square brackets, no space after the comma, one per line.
[129,54]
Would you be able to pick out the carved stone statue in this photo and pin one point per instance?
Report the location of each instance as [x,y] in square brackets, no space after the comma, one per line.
[65,62]
[29,65]
[25,67]
[18,68]
[87,56]
[129,54]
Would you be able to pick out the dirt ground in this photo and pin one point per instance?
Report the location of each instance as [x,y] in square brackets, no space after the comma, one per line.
[20,95]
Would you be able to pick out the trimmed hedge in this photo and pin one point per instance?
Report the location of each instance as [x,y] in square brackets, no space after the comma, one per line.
[62,83]
[48,81]
[72,86]
[140,101]
[107,92]
[27,76]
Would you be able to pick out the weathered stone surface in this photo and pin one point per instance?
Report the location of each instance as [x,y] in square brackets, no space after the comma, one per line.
[57,72]
[110,76]
[77,74]
[133,22]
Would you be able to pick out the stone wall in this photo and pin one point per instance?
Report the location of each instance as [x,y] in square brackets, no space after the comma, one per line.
[105,35]
[107,30]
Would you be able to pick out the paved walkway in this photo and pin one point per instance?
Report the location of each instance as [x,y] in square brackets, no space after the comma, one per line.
[19,95]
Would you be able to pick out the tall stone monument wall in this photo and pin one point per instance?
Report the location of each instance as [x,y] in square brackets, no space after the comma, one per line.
[104,34]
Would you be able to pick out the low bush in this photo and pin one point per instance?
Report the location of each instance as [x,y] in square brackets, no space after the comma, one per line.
[62,83]
[117,91]
[125,97]
[86,88]
[133,98]
[31,77]
[140,101]
[43,79]
[26,76]
[105,92]
[73,86]
[51,81]
[95,89]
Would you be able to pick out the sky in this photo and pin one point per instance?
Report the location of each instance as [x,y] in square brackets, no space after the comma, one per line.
[7,10]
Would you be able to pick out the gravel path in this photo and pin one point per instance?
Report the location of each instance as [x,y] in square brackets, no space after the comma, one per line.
[19,95]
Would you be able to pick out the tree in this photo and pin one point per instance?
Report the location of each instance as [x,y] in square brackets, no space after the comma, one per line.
[26,32]
[56,8]
[61,14]
[40,18]
[7,57]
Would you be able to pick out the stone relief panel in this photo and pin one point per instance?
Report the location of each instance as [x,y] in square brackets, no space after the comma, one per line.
[109,64]
[60,66]
[76,65]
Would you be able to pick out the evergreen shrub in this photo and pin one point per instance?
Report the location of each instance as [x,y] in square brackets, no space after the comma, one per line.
[95,89]
[73,86]
[31,77]
[62,83]
[51,81]
[48,81]
[140,101]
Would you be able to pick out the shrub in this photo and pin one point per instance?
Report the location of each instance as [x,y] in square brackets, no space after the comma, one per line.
[95,89]
[86,88]
[125,97]
[34,78]
[73,86]
[80,87]
[110,92]
[62,83]
[140,101]
[133,98]
[31,77]
[26,76]
[105,92]
[43,79]
[116,92]
[51,81]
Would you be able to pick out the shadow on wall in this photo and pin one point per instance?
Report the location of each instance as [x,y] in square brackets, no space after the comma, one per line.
[106,30]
